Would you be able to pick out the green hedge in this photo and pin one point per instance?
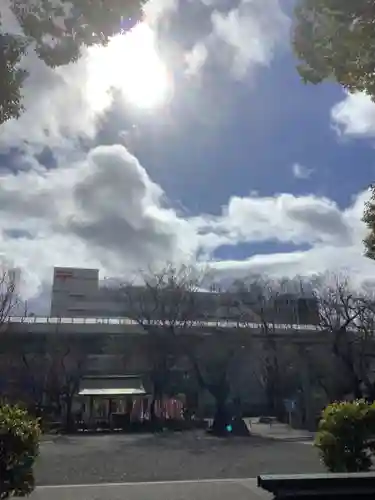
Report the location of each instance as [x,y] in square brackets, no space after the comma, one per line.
[19,446]
[345,436]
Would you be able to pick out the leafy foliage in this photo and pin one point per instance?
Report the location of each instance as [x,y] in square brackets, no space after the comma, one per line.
[12,76]
[345,436]
[334,39]
[57,31]
[19,444]
[369,220]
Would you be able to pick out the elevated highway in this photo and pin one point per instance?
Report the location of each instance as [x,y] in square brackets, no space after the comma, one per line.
[48,325]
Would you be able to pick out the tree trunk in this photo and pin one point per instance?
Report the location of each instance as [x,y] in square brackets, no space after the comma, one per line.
[152,411]
[222,416]
[370,392]
[154,419]
[346,358]
[275,405]
[357,391]
[69,422]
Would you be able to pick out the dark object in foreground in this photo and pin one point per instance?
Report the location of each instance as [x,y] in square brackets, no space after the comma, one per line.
[322,486]
[239,428]
[236,426]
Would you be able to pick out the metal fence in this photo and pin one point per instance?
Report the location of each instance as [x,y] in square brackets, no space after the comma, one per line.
[220,323]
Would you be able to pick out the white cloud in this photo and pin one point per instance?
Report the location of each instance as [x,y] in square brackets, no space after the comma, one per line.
[61,105]
[156,10]
[196,58]
[323,255]
[241,38]
[252,30]
[105,211]
[285,218]
[66,104]
[301,171]
[354,116]
[317,260]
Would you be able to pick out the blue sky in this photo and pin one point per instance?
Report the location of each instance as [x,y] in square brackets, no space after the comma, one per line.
[272,124]
[237,162]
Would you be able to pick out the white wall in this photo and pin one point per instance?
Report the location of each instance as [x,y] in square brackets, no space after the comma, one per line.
[71,287]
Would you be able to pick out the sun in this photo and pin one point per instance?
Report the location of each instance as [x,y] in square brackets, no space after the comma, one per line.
[136,68]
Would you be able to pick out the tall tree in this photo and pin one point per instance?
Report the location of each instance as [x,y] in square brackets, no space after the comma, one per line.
[164,303]
[10,301]
[270,303]
[10,304]
[334,40]
[347,316]
[52,369]
[217,358]
[57,30]
[68,366]
[171,307]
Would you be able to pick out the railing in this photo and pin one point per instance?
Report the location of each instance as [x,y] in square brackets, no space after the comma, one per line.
[220,323]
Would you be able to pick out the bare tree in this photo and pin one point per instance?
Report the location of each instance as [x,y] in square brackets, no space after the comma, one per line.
[54,368]
[348,318]
[164,302]
[36,371]
[67,365]
[10,304]
[179,318]
[269,303]
[217,357]
[364,331]
[324,370]
[10,301]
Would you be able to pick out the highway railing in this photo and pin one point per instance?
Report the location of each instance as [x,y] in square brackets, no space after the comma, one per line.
[219,323]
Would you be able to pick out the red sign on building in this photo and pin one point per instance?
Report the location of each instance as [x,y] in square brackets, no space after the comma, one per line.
[63,274]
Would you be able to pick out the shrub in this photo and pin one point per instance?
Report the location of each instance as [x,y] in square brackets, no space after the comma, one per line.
[19,445]
[345,436]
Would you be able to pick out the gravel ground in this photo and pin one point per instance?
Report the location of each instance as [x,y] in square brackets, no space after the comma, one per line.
[122,458]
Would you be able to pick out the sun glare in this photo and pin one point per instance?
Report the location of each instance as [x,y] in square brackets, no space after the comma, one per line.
[136,68]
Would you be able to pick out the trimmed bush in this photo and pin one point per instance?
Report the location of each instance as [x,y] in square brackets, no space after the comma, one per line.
[19,445]
[345,436]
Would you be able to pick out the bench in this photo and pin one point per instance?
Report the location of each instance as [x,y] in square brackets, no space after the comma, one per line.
[322,486]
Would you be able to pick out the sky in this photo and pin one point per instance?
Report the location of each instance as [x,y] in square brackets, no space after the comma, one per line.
[191,138]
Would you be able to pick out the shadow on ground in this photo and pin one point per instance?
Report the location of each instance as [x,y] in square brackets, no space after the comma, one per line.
[168,457]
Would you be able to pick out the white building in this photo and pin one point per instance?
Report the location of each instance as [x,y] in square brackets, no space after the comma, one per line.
[79,293]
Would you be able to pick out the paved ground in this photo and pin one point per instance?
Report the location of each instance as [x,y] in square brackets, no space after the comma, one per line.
[168,457]
[280,431]
[190,490]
